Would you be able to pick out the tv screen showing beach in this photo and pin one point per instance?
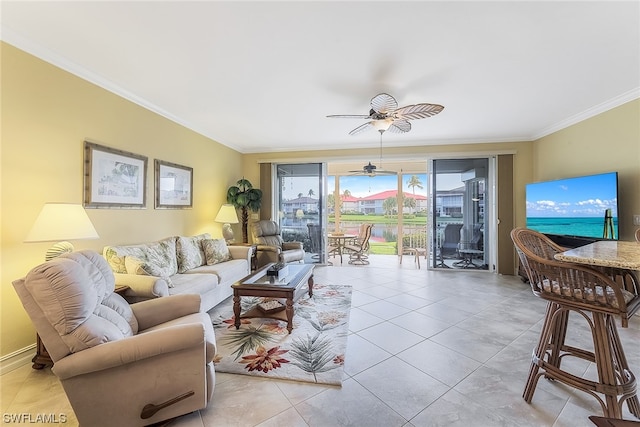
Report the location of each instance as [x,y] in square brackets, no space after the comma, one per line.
[575,206]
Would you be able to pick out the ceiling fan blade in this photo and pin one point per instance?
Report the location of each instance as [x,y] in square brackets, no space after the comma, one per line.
[417,111]
[349,116]
[399,126]
[384,103]
[361,128]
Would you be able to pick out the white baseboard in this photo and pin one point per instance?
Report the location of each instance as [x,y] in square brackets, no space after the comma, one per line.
[17,359]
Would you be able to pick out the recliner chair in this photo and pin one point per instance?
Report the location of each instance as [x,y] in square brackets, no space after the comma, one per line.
[271,248]
[119,364]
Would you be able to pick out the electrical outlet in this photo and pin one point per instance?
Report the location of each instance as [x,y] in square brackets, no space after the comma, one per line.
[636,220]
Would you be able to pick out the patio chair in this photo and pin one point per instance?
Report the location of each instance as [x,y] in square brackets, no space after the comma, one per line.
[315,238]
[358,250]
[416,246]
[450,244]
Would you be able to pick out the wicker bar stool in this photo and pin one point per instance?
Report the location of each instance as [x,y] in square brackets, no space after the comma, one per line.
[597,295]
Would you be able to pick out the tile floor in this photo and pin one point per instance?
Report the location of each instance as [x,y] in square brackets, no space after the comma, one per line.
[426,348]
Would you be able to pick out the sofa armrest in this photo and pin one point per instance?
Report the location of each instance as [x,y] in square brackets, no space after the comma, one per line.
[132,349]
[287,246]
[143,286]
[241,252]
[268,248]
[160,310]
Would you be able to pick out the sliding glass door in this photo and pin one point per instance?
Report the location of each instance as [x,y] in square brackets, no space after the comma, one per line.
[299,206]
[459,216]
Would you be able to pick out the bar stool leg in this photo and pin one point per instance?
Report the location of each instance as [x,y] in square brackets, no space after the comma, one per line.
[605,365]
[558,335]
[540,351]
[621,367]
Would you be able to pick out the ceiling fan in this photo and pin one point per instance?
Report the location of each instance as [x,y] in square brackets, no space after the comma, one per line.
[386,116]
[372,170]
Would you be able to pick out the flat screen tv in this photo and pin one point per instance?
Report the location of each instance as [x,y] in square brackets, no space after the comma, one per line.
[585,206]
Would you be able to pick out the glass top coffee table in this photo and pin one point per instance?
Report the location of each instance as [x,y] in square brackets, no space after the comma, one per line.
[289,287]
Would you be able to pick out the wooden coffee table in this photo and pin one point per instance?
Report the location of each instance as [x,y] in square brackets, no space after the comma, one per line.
[288,288]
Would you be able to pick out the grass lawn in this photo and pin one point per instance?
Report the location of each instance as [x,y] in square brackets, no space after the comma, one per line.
[386,248]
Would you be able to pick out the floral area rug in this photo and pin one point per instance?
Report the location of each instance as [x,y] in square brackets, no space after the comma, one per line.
[313,352]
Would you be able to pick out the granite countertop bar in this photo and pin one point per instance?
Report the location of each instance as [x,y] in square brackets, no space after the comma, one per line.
[617,254]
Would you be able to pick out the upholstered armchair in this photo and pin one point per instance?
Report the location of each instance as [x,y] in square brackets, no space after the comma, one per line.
[119,364]
[271,248]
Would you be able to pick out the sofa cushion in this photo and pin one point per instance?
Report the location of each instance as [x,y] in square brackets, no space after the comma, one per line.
[162,252]
[190,252]
[216,251]
[193,283]
[161,257]
[115,256]
[145,268]
[227,272]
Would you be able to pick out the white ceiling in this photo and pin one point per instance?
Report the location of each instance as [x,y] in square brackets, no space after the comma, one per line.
[262,76]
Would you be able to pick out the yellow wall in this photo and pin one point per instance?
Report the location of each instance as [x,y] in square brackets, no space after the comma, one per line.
[608,142]
[46,115]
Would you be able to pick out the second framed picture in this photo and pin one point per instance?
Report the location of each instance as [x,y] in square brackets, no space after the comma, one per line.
[174,186]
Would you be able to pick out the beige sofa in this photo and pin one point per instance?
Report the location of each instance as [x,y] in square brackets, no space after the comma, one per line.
[179,265]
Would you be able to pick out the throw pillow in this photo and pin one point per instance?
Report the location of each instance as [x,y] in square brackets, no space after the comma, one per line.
[216,251]
[141,267]
[190,252]
[162,258]
[115,256]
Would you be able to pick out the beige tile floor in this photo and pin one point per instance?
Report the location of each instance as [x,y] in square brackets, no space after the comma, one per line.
[426,348]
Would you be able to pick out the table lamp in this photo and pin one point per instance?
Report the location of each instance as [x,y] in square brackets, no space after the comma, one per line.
[61,221]
[227,215]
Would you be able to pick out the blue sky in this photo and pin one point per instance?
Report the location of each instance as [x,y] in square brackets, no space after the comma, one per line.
[587,196]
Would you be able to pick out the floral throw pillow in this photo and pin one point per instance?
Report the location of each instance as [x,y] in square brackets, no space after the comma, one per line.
[138,266]
[216,251]
[115,256]
[161,257]
[190,252]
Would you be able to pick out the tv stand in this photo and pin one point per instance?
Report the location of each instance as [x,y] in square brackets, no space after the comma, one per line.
[570,241]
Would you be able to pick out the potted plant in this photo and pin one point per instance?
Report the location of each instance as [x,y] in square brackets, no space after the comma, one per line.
[246,198]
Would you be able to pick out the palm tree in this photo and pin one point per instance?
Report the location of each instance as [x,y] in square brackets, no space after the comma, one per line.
[409,202]
[300,195]
[246,198]
[389,204]
[311,192]
[346,193]
[414,182]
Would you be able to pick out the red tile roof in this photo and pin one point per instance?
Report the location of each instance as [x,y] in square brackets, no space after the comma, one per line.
[393,193]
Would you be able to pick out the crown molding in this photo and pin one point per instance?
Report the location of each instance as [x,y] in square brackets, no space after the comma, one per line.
[591,112]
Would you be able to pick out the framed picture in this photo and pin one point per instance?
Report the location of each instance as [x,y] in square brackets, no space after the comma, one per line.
[114,178]
[174,185]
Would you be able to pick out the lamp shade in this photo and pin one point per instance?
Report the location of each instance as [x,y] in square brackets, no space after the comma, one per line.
[61,221]
[227,214]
